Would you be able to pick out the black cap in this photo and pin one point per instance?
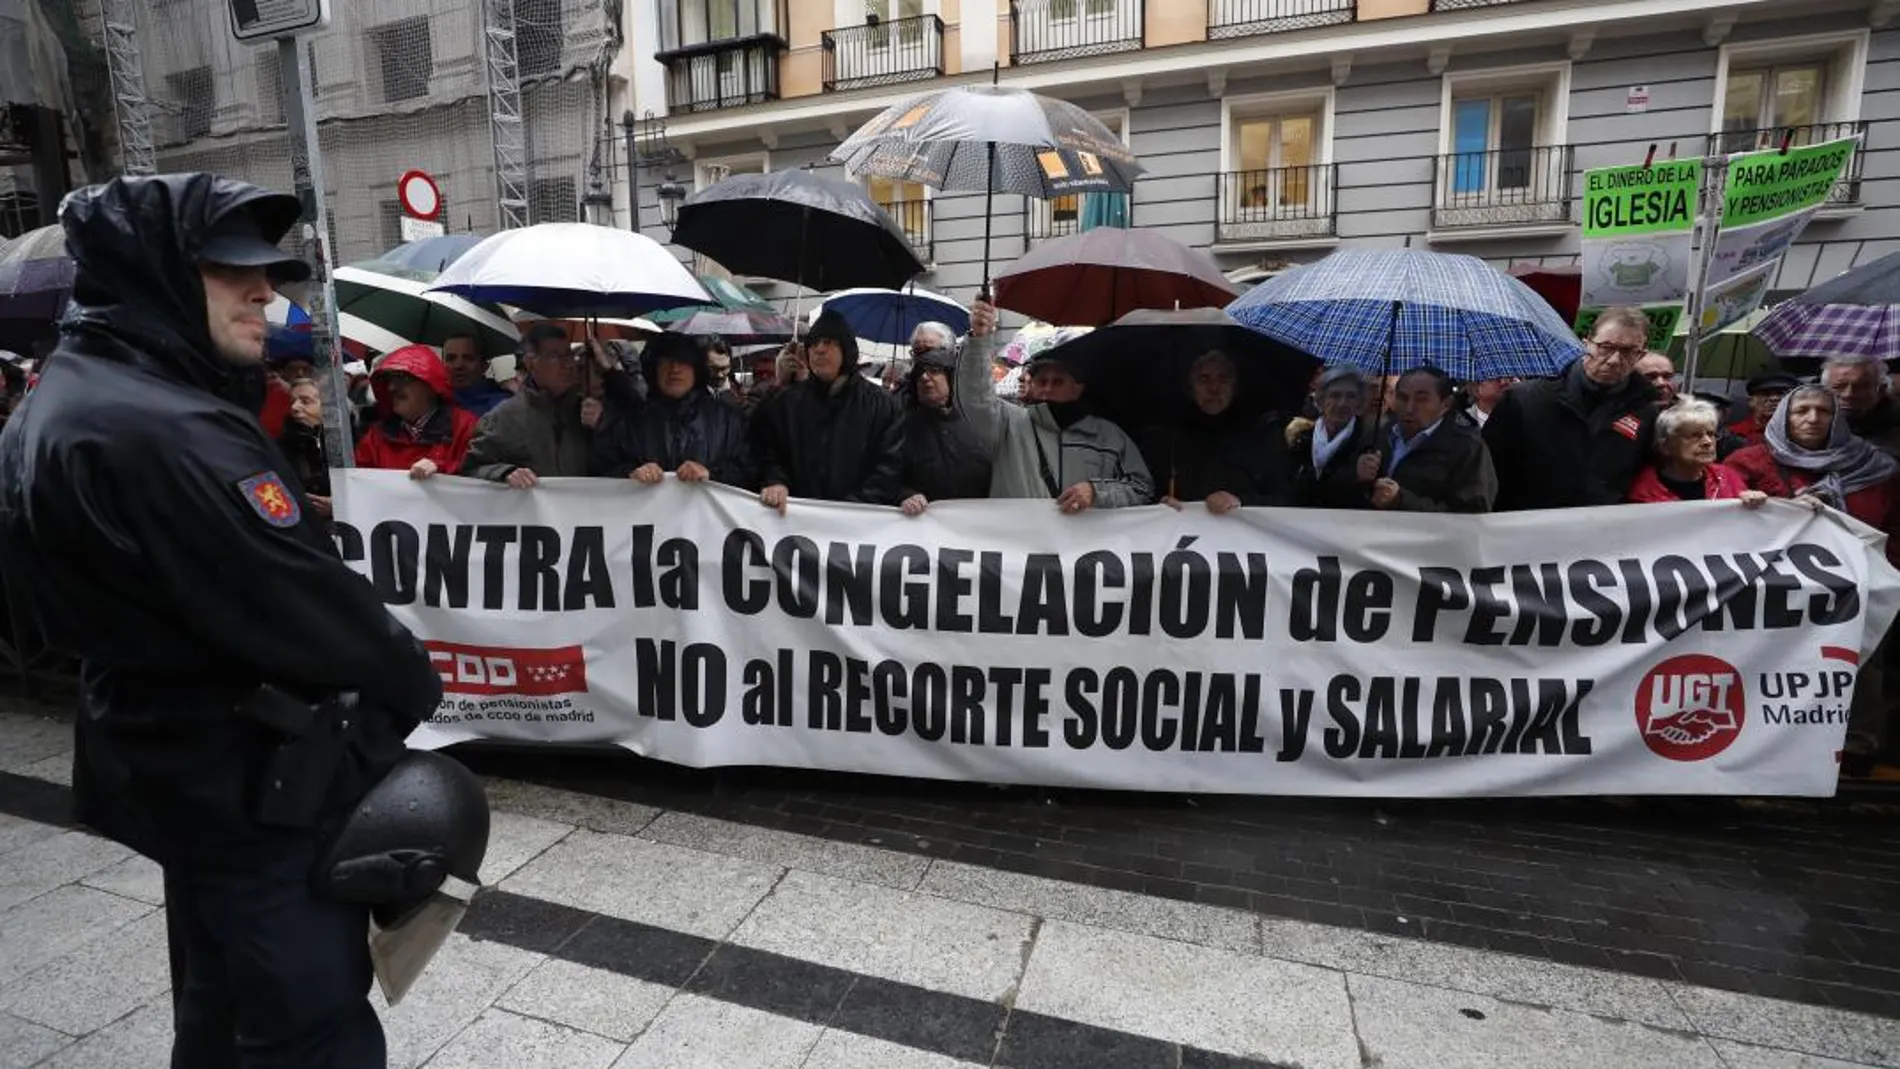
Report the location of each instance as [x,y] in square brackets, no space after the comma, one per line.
[1777,383]
[240,239]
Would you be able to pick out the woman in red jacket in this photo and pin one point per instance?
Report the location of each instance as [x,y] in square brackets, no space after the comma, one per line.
[1808,453]
[1684,468]
[418,428]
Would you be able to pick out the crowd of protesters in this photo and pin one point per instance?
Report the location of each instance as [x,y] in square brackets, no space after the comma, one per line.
[812,423]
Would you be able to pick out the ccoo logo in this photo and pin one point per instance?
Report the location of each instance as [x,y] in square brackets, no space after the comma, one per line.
[1690,708]
[488,670]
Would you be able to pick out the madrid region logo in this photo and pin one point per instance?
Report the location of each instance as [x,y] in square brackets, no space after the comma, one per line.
[1690,708]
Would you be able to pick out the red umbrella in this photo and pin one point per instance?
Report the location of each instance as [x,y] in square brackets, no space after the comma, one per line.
[1094,278]
[1561,286]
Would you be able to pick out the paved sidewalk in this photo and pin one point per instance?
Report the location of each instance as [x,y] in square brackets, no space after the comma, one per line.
[628,935]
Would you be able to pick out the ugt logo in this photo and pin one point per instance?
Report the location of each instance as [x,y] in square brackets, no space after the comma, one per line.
[1690,708]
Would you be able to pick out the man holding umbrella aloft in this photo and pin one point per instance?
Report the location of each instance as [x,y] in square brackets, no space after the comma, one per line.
[1053,449]
[835,436]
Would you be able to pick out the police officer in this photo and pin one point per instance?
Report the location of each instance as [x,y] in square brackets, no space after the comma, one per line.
[157,533]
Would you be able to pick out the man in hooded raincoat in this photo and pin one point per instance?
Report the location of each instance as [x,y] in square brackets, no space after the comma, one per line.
[156,531]
[419,427]
[682,427]
[835,436]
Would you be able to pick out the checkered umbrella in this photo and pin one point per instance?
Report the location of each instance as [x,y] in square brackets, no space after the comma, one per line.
[1389,312]
[994,139]
[1855,314]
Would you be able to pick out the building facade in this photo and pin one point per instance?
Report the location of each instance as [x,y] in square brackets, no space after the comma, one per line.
[1275,130]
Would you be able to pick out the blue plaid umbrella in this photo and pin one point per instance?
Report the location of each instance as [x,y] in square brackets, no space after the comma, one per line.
[1390,312]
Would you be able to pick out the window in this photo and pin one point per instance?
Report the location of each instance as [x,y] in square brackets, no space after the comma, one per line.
[193,100]
[554,200]
[684,23]
[1276,168]
[1063,215]
[538,36]
[1493,138]
[405,58]
[908,205]
[1503,161]
[1807,87]
[270,88]
[888,11]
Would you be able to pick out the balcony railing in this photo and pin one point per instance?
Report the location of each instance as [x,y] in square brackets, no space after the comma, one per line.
[1044,30]
[722,74]
[1063,216]
[1278,204]
[1505,187]
[1459,5]
[1846,188]
[913,217]
[1244,18]
[902,50]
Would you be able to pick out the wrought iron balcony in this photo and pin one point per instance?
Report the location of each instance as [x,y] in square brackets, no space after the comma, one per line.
[1244,18]
[1505,187]
[902,50]
[722,74]
[1277,204]
[1044,30]
[1846,188]
[913,216]
[1063,216]
[1459,5]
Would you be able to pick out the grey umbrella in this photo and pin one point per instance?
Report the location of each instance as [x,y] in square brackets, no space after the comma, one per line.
[991,138]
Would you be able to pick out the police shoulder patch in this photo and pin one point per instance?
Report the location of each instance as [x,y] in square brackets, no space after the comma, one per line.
[271,499]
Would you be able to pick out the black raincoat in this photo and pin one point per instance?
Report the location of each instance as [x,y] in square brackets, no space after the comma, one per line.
[156,532]
[699,426]
[1201,455]
[943,457]
[837,441]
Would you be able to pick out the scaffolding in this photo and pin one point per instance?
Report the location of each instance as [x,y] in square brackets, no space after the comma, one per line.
[498,100]
[126,68]
[504,113]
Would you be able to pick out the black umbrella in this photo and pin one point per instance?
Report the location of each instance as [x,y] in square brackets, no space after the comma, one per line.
[1137,367]
[994,139]
[796,226]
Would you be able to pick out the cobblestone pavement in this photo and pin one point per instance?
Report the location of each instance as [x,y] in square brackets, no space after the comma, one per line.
[642,916]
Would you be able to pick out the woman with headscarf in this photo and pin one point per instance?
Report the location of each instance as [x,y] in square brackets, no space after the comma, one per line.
[1808,453]
[1685,468]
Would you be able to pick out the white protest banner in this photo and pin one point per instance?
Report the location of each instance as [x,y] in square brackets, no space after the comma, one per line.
[1655,649]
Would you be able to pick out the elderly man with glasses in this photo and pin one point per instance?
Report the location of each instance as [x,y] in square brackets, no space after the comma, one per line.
[1578,439]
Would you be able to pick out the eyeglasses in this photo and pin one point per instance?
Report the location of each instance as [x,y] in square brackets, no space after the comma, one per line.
[1621,352]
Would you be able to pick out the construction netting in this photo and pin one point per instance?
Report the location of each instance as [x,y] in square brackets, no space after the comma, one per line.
[399,85]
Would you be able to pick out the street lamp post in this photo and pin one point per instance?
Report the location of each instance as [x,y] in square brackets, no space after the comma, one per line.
[671,194]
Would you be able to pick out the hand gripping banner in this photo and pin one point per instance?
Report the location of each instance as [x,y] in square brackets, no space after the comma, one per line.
[1697,648]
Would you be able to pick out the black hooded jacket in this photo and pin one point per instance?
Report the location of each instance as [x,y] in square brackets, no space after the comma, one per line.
[158,534]
[837,441]
[943,458]
[1200,455]
[668,432]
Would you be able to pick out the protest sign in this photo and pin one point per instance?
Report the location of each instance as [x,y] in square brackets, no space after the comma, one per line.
[1638,230]
[1768,200]
[1705,649]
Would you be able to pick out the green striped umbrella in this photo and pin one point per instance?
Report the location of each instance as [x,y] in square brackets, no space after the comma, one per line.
[728,296]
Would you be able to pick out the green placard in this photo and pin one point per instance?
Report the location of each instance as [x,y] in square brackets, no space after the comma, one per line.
[1626,201]
[1768,185]
[1663,321]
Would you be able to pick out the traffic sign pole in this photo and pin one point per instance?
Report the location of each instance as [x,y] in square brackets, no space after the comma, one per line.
[306,160]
